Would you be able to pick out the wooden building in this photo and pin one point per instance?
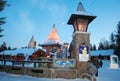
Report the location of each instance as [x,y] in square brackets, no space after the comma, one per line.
[37,54]
[52,43]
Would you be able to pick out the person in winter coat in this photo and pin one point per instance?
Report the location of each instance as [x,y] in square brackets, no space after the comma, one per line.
[96,62]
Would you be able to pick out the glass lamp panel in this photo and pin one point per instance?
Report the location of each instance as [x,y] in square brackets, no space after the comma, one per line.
[82,25]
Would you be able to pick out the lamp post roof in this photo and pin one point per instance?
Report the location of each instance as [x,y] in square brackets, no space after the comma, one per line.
[82,14]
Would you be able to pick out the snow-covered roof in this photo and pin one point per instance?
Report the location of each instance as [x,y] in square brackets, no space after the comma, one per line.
[50,42]
[26,51]
[81,11]
[102,52]
[32,43]
[53,38]
[9,52]
[82,14]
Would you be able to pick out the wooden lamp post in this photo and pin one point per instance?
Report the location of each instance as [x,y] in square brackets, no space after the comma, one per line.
[80,20]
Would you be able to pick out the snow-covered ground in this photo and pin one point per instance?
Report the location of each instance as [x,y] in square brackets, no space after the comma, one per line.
[105,74]
[12,77]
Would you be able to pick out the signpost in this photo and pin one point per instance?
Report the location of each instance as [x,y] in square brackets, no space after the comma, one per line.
[83,53]
[114,61]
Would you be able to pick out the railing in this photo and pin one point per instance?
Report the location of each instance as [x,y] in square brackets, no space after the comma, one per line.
[41,62]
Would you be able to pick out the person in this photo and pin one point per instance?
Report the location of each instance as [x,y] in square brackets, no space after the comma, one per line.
[27,57]
[55,55]
[92,69]
[100,56]
[48,53]
[97,64]
[63,52]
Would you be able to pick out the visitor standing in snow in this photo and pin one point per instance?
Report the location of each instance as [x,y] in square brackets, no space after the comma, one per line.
[96,62]
[26,57]
[63,52]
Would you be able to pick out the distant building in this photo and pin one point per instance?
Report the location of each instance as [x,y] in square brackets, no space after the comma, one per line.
[32,43]
[37,54]
[8,53]
[103,54]
[53,42]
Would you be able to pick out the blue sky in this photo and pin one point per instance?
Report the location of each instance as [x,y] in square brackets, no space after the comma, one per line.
[36,17]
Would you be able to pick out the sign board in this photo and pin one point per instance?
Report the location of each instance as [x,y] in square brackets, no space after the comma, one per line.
[83,53]
[114,61]
[63,64]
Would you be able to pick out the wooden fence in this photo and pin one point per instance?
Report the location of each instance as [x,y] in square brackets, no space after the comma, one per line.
[40,63]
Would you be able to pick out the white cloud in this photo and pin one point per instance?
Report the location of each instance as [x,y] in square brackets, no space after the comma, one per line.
[52,8]
[57,9]
[26,23]
[23,23]
[33,2]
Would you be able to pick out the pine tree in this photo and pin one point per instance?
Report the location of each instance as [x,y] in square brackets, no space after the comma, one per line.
[106,45]
[91,48]
[9,48]
[112,41]
[118,39]
[94,47]
[101,46]
[1,31]
[3,47]
[3,4]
